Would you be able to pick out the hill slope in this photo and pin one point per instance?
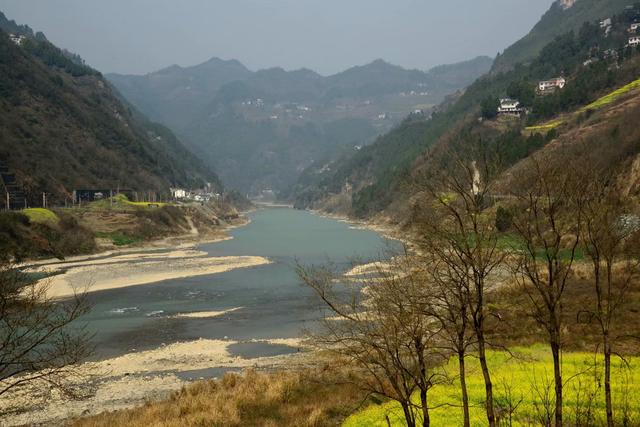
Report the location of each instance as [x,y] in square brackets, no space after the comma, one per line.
[371,181]
[260,129]
[63,127]
[555,22]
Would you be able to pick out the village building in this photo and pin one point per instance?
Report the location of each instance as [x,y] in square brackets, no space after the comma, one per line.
[634,41]
[634,27]
[551,85]
[178,193]
[605,23]
[17,39]
[510,107]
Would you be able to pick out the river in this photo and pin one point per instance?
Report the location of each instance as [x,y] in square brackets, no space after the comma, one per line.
[271,301]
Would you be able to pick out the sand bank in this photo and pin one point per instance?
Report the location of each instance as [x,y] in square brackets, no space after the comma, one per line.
[205,314]
[134,270]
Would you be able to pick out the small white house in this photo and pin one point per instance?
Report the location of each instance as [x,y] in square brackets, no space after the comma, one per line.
[178,193]
[17,39]
[510,106]
[634,41]
[634,27]
[552,84]
[605,23]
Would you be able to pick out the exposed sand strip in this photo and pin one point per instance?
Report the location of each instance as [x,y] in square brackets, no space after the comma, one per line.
[205,314]
[104,275]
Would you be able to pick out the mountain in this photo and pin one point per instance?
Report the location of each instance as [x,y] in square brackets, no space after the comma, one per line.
[260,129]
[595,61]
[558,20]
[63,127]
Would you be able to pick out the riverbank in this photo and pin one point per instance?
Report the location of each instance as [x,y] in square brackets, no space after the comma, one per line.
[133,379]
[385,229]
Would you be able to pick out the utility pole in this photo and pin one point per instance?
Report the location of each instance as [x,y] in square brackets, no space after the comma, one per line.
[44,200]
[8,204]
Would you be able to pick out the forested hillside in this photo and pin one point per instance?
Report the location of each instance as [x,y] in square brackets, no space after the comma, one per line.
[594,60]
[63,127]
[555,22]
[261,129]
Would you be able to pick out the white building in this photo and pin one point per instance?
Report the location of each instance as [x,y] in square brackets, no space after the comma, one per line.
[17,39]
[634,41]
[605,23]
[552,84]
[178,193]
[510,107]
[566,4]
[634,27]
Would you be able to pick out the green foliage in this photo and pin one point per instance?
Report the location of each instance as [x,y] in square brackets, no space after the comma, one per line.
[41,216]
[118,239]
[504,219]
[21,238]
[489,107]
[54,57]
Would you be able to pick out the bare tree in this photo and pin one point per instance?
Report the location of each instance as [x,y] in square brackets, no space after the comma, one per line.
[380,328]
[39,341]
[548,224]
[457,229]
[608,230]
[448,302]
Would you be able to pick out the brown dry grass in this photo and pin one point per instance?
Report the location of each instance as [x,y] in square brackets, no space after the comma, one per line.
[512,323]
[284,398]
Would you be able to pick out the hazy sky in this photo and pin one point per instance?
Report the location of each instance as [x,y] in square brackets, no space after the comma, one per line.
[139,36]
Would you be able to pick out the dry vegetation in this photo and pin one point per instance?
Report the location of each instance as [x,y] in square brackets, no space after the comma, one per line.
[296,398]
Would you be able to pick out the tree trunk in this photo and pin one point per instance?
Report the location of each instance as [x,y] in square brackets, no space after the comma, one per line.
[408,416]
[426,421]
[491,417]
[607,380]
[557,377]
[463,387]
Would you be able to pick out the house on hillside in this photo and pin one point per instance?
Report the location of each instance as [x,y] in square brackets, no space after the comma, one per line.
[605,23]
[17,39]
[551,85]
[566,4]
[634,27]
[510,107]
[178,193]
[634,41]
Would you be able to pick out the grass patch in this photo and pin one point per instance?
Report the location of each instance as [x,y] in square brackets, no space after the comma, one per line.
[120,201]
[423,106]
[608,99]
[118,239]
[546,127]
[525,376]
[511,242]
[302,399]
[41,215]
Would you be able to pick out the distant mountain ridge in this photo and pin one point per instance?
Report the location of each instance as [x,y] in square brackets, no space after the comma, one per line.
[259,129]
[64,127]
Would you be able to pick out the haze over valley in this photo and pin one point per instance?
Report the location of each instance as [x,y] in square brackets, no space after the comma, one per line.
[308,236]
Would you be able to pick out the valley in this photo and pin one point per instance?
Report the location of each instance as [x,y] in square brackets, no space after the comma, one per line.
[226,245]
